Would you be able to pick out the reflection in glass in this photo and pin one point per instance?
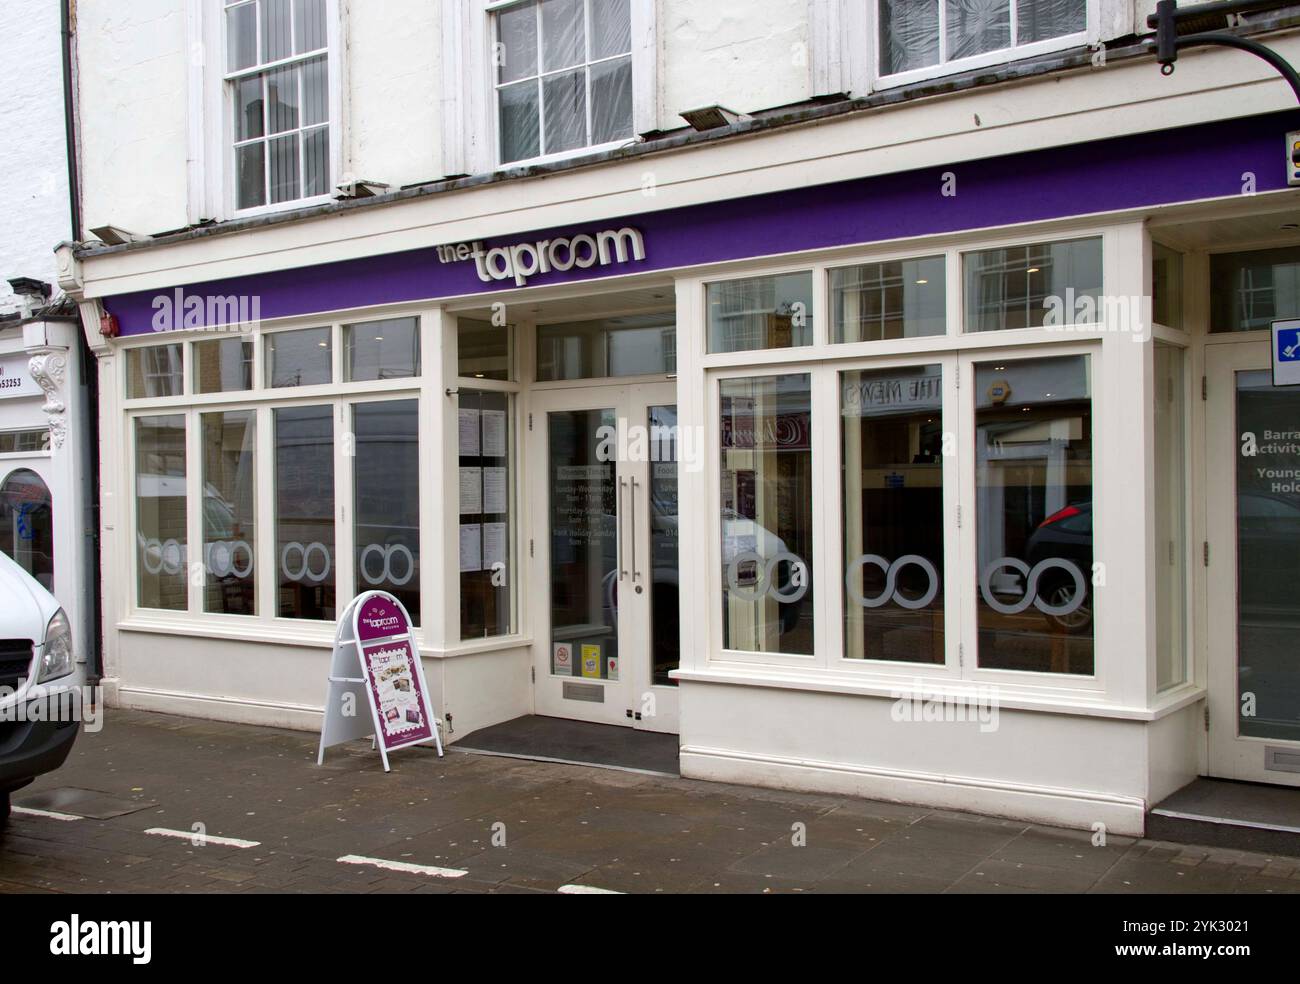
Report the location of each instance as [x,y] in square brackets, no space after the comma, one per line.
[160,513]
[896,299]
[299,358]
[1033,506]
[760,313]
[483,349]
[1249,291]
[634,345]
[155,370]
[386,500]
[229,494]
[304,512]
[1034,285]
[487,574]
[1166,286]
[665,614]
[27,524]
[388,349]
[892,427]
[1268,558]
[223,365]
[1170,516]
[767,523]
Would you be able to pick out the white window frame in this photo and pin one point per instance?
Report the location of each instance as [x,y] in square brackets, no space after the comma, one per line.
[470,134]
[211,177]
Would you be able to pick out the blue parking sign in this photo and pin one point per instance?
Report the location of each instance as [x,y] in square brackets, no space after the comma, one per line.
[1286,353]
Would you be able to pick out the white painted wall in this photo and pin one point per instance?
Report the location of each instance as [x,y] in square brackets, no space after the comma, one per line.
[34,199]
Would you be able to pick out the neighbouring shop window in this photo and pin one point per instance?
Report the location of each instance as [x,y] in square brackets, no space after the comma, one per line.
[767,523]
[25,441]
[27,524]
[223,365]
[1034,514]
[1033,286]
[894,299]
[386,500]
[1166,286]
[388,349]
[483,350]
[761,313]
[155,370]
[635,345]
[921,33]
[299,358]
[280,115]
[892,432]
[160,516]
[1249,291]
[1168,390]
[665,607]
[229,512]
[564,76]
[486,525]
[304,511]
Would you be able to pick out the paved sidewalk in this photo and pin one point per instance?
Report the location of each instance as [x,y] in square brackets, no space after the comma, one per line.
[565,828]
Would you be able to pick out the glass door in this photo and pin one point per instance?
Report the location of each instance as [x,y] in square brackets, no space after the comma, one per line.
[1253,571]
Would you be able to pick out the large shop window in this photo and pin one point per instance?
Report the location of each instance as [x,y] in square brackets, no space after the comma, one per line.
[1033,286]
[160,516]
[761,313]
[304,512]
[27,524]
[386,500]
[277,73]
[229,501]
[892,427]
[767,523]
[564,76]
[1169,392]
[486,523]
[1034,514]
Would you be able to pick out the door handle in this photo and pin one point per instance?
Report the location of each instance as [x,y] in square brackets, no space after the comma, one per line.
[618,531]
[635,572]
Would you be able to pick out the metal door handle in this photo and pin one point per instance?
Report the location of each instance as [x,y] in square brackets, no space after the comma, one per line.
[618,531]
[635,573]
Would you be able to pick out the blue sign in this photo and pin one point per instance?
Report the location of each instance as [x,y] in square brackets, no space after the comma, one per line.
[1286,353]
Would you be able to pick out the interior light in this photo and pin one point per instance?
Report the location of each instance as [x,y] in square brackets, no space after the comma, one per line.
[923,281]
[1032,270]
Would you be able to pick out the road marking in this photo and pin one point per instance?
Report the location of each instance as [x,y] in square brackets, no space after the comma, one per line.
[203,839]
[48,814]
[585,890]
[404,866]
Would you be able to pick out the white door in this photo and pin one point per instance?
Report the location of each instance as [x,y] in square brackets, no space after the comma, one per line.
[1253,570]
[603,495]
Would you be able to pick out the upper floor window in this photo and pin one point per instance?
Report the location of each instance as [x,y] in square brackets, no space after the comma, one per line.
[563,76]
[277,77]
[915,35]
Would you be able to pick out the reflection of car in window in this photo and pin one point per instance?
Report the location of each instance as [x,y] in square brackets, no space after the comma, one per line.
[1065,535]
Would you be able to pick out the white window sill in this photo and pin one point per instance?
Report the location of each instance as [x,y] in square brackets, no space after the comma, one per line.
[278,207]
[569,155]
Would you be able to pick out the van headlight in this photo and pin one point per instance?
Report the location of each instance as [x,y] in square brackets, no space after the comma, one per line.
[56,655]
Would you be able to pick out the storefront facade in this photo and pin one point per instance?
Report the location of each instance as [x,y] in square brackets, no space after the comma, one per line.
[888,478]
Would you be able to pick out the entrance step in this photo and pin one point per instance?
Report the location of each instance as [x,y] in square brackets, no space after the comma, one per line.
[548,739]
[1220,813]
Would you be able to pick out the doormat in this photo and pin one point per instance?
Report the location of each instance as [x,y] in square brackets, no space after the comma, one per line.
[88,803]
[547,739]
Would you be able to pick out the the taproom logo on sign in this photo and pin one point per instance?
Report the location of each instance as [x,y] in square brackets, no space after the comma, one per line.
[522,260]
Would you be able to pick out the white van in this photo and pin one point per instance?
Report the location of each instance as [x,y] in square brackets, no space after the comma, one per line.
[41,682]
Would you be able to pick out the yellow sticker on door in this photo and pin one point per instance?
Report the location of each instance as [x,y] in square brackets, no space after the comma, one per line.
[591,660]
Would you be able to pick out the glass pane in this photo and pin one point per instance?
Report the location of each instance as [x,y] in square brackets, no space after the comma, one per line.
[248,108]
[277,41]
[282,99]
[760,313]
[160,517]
[611,28]
[892,432]
[284,169]
[298,358]
[223,365]
[635,345]
[229,495]
[387,349]
[1033,510]
[315,92]
[157,370]
[517,43]
[584,544]
[909,35]
[520,122]
[25,441]
[563,34]
[611,101]
[27,517]
[316,165]
[386,500]
[241,37]
[1043,284]
[897,299]
[304,512]
[977,26]
[309,25]
[482,349]
[1268,558]
[486,514]
[1170,516]
[1166,286]
[767,523]
[566,111]
[1249,291]
[1039,20]
[665,613]
[250,162]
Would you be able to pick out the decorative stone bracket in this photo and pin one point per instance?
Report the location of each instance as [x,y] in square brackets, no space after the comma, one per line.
[49,367]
